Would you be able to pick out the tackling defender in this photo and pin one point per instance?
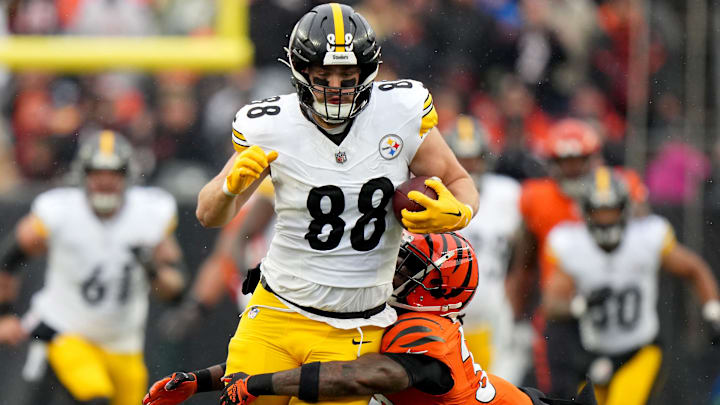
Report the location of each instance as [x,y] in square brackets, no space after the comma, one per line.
[336,149]
[424,358]
[107,245]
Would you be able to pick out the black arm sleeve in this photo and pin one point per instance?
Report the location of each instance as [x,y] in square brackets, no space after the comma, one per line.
[427,374]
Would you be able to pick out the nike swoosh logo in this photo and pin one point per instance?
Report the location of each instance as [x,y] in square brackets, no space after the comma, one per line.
[362,341]
[457,214]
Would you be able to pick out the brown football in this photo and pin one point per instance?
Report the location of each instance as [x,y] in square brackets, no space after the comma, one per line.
[400,199]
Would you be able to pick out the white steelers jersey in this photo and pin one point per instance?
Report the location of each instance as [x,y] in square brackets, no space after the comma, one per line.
[335,226]
[94,286]
[621,287]
[490,233]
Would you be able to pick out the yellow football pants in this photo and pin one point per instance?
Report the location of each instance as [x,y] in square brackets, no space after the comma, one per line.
[89,372]
[632,382]
[269,340]
[479,342]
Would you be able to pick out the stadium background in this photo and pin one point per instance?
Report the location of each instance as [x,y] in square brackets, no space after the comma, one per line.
[171,73]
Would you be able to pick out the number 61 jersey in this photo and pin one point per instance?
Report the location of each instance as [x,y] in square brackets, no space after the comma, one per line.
[334,226]
[94,285]
[620,287]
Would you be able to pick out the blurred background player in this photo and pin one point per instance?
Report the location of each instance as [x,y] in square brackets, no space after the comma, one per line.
[606,274]
[572,150]
[240,246]
[108,243]
[497,343]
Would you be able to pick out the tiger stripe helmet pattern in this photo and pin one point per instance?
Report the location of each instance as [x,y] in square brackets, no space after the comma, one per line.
[436,273]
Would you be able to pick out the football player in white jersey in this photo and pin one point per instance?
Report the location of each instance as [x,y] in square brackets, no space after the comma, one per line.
[107,244]
[607,276]
[336,149]
[496,342]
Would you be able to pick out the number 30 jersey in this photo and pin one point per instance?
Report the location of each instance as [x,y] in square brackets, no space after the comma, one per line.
[334,224]
[620,287]
[94,285]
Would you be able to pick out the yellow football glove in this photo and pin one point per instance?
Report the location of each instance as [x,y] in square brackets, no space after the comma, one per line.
[442,215]
[248,166]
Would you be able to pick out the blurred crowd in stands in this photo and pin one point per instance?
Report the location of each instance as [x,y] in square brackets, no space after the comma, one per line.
[516,65]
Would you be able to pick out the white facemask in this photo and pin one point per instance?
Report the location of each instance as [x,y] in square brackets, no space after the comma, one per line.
[338,113]
[105,203]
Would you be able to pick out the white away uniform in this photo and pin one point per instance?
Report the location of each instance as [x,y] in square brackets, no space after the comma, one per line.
[336,239]
[94,286]
[621,287]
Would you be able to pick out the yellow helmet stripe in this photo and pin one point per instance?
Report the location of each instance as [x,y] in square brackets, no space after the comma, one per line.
[107,142]
[465,128]
[339,27]
[602,179]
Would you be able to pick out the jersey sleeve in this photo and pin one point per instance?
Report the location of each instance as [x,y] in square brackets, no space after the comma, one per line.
[661,234]
[415,334]
[161,214]
[239,141]
[415,103]
[48,210]
[557,246]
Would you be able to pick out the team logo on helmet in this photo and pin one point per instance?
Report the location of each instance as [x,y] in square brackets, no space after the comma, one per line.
[390,146]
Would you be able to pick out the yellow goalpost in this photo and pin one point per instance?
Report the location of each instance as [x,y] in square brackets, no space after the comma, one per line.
[229,49]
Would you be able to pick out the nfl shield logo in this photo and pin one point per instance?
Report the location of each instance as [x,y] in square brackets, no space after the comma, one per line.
[340,157]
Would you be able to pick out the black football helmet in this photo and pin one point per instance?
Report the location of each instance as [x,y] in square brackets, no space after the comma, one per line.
[604,189]
[333,34]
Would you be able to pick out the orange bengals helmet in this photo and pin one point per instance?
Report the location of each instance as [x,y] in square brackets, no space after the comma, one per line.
[571,137]
[435,273]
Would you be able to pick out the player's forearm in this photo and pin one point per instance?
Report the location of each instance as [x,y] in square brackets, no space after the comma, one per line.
[685,263]
[169,282]
[704,283]
[521,278]
[463,188]
[215,208]
[371,373]
[556,308]
[8,289]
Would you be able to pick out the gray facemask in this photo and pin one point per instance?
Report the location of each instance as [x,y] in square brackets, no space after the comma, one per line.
[608,237]
[105,203]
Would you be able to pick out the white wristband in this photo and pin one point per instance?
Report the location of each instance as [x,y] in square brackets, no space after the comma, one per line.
[711,311]
[226,191]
